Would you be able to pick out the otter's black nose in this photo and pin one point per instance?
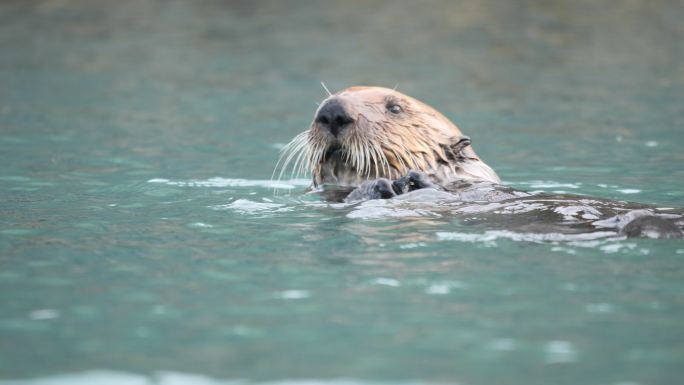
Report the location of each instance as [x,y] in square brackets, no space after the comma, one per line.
[333,117]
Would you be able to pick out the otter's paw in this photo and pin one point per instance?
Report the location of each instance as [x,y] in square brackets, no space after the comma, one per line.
[414,180]
[373,189]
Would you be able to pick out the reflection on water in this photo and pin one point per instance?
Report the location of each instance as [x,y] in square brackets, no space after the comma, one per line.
[141,238]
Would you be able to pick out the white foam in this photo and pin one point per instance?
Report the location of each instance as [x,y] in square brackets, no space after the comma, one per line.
[412,245]
[438,289]
[293,294]
[616,247]
[564,250]
[387,282]
[44,314]
[201,225]
[441,288]
[546,184]
[234,182]
[493,235]
[376,209]
[246,206]
[109,377]
[558,352]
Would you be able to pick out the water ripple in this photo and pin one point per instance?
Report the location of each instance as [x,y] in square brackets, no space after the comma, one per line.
[233,182]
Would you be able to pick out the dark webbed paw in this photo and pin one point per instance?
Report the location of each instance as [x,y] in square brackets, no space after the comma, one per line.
[384,188]
[373,189]
[414,180]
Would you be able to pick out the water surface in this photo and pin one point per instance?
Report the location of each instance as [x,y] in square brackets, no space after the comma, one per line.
[141,241]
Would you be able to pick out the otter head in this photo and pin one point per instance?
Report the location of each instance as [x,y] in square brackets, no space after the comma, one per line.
[364,133]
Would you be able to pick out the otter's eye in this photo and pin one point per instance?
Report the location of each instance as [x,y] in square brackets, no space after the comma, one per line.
[394,108]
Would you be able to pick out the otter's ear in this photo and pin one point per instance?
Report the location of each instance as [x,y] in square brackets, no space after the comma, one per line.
[454,150]
[460,144]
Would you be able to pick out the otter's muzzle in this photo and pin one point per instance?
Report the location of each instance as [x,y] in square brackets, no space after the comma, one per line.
[333,117]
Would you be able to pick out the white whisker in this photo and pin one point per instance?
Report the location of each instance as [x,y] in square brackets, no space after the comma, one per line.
[385,163]
[350,154]
[326,89]
[369,157]
[359,156]
[377,159]
[312,156]
[295,148]
[297,167]
[316,156]
[401,161]
[355,150]
[364,159]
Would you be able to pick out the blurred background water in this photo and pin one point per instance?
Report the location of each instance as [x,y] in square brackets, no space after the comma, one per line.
[141,240]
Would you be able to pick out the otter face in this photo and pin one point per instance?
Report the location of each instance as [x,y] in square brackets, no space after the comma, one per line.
[364,133]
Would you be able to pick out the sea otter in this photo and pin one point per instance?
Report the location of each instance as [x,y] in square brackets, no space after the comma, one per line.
[377,143]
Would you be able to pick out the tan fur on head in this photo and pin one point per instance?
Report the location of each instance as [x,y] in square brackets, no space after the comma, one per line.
[385,141]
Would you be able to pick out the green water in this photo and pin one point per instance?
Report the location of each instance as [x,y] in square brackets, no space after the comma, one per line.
[141,241]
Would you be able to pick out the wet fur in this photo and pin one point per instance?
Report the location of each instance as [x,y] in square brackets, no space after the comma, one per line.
[380,144]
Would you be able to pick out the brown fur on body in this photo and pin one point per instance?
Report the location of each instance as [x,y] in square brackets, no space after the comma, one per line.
[380,143]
